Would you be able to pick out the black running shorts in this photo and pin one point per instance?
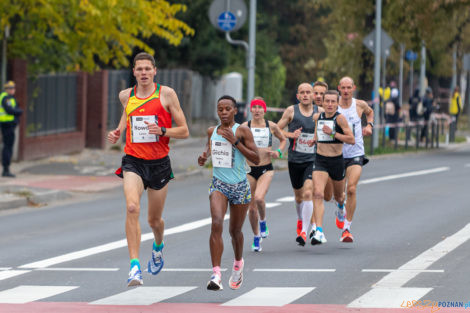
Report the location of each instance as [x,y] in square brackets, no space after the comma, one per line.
[257,171]
[334,166]
[299,173]
[155,174]
[359,160]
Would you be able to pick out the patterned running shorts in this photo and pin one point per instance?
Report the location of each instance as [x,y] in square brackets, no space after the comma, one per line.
[239,193]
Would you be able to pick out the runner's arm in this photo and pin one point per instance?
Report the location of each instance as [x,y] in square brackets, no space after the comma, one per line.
[286,118]
[367,110]
[247,145]
[113,136]
[348,136]
[170,101]
[201,160]
[315,118]
[279,134]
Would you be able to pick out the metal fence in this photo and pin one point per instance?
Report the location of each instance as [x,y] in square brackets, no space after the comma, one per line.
[52,104]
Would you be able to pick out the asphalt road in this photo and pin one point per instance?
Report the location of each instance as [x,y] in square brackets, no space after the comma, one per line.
[411,231]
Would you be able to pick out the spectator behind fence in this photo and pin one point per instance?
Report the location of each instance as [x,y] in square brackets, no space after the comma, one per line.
[9,115]
[455,104]
[428,101]
[392,110]
[415,101]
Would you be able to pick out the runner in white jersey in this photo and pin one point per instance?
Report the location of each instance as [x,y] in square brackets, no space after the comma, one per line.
[354,157]
[260,175]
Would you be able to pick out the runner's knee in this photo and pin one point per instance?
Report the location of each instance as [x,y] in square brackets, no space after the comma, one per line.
[133,208]
[259,201]
[351,190]
[235,232]
[155,222]
[217,225]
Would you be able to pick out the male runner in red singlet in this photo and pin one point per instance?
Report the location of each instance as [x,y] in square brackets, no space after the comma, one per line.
[148,112]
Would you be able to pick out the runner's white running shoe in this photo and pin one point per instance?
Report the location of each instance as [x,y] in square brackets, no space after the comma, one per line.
[318,238]
[215,283]
[135,277]
[236,279]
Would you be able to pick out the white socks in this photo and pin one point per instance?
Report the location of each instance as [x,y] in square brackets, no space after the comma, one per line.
[347,224]
[307,211]
[298,208]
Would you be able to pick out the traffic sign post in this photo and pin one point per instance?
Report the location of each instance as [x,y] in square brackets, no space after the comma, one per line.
[411,56]
[227,21]
[229,16]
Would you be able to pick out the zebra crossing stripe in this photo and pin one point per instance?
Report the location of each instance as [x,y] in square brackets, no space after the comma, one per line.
[143,295]
[25,294]
[269,296]
[11,273]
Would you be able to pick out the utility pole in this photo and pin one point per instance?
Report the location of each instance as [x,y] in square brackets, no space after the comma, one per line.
[375,93]
[251,57]
[422,73]
[400,79]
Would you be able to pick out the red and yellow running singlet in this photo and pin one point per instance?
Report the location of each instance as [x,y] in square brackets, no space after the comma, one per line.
[150,108]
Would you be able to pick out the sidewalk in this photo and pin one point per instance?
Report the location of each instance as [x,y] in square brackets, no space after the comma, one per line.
[44,181]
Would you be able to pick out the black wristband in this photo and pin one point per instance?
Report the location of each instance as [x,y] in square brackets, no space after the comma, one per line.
[236,142]
[163,131]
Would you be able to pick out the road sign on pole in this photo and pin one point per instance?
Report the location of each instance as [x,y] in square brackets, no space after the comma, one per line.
[411,56]
[386,42]
[228,15]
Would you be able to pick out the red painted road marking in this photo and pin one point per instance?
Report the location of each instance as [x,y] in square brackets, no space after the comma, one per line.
[73,307]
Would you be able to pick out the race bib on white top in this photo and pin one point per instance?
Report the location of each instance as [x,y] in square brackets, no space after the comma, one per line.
[320,134]
[301,143]
[222,154]
[140,130]
[261,137]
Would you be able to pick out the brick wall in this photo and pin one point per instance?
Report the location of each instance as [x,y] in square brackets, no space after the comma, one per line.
[97,109]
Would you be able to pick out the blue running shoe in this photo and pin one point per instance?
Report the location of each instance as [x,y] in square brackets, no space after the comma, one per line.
[156,263]
[256,246]
[135,277]
[264,230]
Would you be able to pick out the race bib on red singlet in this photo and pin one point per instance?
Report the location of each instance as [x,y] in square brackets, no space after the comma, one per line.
[140,130]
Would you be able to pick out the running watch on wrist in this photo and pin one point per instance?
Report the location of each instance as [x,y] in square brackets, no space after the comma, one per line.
[163,131]
[236,142]
[371,124]
[333,134]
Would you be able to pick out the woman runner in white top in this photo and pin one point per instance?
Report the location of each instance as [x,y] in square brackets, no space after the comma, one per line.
[260,176]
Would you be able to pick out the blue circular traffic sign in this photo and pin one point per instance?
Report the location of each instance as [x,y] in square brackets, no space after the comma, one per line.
[411,56]
[227,21]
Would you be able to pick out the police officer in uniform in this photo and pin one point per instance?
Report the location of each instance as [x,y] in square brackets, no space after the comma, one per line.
[9,114]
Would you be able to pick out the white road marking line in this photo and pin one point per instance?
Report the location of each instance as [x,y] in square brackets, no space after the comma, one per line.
[403,175]
[190,270]
[390,286]
[290,270]
[388,297]
[286,199]
[264,296]
[144,295]
[78,269]
[408,270]
[25,294]
[11,273]
[114,245]
[186,227]
[5,268]
[272,204]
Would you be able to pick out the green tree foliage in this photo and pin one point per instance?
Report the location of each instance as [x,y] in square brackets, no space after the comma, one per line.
[81,34]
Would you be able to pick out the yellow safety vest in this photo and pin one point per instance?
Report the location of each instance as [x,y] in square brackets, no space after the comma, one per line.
[454,108]
[4,116]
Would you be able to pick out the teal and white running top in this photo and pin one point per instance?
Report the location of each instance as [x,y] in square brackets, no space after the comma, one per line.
[227,161]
